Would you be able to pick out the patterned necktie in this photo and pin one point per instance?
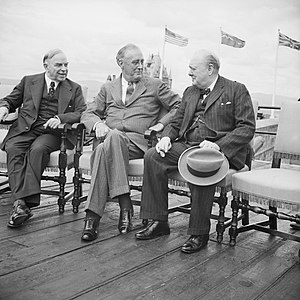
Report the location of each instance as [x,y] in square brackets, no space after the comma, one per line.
[51,89]
[129,91]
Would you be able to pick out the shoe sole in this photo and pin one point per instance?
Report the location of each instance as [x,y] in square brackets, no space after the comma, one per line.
[152,237]
[193,251]
[19,220]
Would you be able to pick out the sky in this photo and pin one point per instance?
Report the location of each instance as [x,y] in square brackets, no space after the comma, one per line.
[91,32]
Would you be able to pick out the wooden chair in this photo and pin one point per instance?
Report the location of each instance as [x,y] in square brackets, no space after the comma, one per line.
[273,188]
[60,161]
[177,184]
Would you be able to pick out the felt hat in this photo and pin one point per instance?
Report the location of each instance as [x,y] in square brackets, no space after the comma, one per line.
[202,166]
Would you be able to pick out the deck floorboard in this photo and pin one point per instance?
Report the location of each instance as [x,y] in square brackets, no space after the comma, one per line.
[46,259]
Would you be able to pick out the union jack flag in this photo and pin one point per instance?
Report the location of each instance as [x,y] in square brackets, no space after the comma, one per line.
[288,42]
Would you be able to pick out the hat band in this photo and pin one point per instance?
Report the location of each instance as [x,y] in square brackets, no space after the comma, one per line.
[202,174]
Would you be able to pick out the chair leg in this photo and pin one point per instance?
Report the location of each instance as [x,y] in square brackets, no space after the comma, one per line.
[222,201]
[245,212]
[273,218]
[233,232]
[62,179]
[77,191]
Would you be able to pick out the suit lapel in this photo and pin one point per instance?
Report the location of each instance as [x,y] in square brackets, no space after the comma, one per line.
[37,89]
[116,91]
[215,93]
[193,96]
[65,94]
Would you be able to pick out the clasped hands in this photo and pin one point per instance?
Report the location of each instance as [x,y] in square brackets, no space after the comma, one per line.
[51,123]
[164,145]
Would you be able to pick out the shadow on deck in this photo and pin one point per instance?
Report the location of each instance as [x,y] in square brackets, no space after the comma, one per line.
[47,260]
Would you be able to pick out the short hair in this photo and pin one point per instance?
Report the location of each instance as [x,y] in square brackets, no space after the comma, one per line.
[51,53]
[123,50]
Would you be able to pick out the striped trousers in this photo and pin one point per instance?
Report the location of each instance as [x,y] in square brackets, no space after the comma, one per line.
[154,202]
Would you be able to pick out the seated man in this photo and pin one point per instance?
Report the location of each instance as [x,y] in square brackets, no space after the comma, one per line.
[214,113]
[45,100]
[130,105]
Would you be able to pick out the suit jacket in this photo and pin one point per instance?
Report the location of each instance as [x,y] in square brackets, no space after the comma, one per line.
[27,96]
[142,111]
[229,118]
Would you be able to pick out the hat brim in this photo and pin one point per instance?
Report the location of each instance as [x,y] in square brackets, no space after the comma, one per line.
[204,181]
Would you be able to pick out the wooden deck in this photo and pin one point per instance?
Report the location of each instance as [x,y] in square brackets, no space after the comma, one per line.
[47,260]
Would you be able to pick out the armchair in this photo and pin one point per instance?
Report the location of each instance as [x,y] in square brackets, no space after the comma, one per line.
[177,184]
[274,188]
[60,161]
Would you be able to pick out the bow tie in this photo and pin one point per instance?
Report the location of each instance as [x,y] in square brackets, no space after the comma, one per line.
[204,91]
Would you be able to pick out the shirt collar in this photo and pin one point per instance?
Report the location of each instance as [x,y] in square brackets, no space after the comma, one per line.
[125,83]
[211,87]
[48,81]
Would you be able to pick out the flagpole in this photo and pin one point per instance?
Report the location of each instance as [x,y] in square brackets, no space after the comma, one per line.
[163,54]
[220,43]
[275,77]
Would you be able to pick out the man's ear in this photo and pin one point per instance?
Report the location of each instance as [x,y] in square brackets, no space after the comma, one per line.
[120,62]
[211,68]
[45,66]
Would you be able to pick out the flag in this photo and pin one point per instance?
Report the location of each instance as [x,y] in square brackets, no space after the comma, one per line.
[175,39]
[231,40]
[288,42]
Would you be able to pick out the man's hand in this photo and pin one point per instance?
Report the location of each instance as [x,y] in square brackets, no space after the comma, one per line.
[163,146]
[158,127]
[101,130]
[208,144]
[3,113]
[52,123]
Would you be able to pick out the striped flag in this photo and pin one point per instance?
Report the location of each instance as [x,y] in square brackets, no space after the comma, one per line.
[288,42]
[231,40]
[175,39]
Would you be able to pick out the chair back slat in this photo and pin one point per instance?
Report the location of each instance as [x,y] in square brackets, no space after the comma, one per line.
[288,133]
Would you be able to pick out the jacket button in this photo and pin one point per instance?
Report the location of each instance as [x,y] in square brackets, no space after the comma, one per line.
[27,128]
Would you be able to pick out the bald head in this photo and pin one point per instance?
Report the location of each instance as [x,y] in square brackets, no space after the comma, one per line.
[206,57]
[204,68]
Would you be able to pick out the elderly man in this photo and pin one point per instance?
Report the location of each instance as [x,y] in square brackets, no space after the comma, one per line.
[214,113]
[44,101]
[131,105]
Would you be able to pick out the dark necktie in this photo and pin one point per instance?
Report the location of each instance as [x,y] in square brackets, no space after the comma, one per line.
[129,91]
[51,89]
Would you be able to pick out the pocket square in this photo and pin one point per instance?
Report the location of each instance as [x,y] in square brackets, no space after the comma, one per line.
[228,102]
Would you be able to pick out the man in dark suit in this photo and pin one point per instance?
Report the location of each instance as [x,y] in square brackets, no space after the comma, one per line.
[44,101]
[214,113]
[130,104]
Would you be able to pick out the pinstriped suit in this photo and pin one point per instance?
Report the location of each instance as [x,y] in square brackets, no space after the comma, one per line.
[229,122]
[110,159]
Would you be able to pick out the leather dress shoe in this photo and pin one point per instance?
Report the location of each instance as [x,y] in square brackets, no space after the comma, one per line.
[125,223]
[19,214]
[153,230]
[90,230]
[195,243]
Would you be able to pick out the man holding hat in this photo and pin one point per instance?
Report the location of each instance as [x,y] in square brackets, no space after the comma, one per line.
[210,132]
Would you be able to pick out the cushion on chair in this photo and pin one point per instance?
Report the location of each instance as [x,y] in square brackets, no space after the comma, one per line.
[136,167]
[84,161]
[54,156]
[275,187]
